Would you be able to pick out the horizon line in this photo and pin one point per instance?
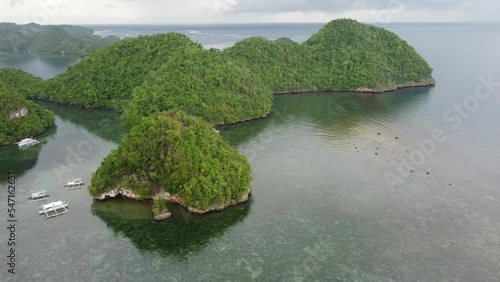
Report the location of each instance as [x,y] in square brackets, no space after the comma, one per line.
[263,22]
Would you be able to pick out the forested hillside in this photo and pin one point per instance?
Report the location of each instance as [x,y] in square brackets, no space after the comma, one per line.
[20,118]
[203,83]
[343,55]
[24,83]
[106,78]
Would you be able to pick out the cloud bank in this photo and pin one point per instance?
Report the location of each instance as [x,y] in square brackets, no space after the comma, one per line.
[221,11]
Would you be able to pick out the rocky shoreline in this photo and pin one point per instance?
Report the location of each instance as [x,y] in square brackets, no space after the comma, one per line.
[165,214]
[430,81]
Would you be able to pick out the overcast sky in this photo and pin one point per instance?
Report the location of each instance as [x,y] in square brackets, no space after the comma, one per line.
[230,11]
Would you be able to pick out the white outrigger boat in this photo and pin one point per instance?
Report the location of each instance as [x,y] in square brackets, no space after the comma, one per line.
[39,195]
[28,142]
[74,183]
[54,209]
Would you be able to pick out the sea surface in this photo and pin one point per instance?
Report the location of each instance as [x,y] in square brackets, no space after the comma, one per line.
[402,186]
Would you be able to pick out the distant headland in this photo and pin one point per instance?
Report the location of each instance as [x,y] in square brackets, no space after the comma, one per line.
[63,39]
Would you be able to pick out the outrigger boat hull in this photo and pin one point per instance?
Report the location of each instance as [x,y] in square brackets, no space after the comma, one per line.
[39,197]
[54,209]
[74,183]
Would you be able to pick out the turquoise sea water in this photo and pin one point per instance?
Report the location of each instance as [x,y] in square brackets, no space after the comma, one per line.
[322,207]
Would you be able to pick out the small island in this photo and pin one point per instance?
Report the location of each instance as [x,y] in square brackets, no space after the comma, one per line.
[174,157]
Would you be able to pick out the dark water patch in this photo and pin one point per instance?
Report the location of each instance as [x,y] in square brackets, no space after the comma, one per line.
[182,235]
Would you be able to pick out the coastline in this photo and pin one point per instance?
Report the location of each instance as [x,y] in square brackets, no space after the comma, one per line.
[429,81]
[171,199]
[5,144]
[426,82]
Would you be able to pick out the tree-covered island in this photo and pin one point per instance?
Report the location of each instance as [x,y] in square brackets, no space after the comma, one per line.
[172,156]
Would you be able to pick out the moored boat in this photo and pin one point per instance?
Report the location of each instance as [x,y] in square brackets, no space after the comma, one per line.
[28,142]
[74,183]
[54,209]
[37,195]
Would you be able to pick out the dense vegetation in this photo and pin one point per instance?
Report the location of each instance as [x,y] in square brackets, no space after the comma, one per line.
[203,83]
[106,78]
[168,87]
[12,128]
[60,39]
[182,155]
[148,74]
[24,83]
[343,55]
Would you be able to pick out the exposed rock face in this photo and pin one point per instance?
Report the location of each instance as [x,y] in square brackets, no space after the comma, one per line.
[119,191]
[164,214]
[18,113]
[430,81]
[178,200]
[172,199]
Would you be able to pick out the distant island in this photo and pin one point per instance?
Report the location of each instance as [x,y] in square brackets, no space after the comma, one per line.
[63,39]
[171,93]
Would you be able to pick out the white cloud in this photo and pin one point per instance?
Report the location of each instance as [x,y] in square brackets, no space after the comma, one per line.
[202,11]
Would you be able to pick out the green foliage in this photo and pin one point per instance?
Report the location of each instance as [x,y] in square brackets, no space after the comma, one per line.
[182,155]
[203,83]
[49,39]
[159,205]
[284,65]
[149,74]
[61,39]
[16,38]
[106,78]
[13,129]
[25,83]
[343,55]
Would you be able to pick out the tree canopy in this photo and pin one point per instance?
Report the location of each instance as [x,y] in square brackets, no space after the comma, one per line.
[24,83]
[106,78]
[13,128]
[179,154]
[203,83]
[343,55]
[65,39]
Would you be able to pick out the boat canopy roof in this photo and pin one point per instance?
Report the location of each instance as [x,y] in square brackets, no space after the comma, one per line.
[53,204]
